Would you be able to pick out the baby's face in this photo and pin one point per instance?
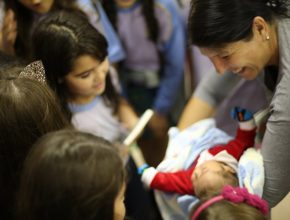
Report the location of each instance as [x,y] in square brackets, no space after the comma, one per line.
[209,174]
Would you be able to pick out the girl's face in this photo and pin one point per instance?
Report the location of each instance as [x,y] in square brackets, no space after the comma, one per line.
[87,79]
[246,58]
[38,6]
[125,3]
[119,206]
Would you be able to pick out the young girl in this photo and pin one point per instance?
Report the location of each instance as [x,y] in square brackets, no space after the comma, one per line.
[233,203]
[72,175]
[153,36]
[74,55]
[18,24]
[28,110]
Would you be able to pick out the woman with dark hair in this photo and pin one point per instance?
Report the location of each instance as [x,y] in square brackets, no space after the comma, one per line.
[29,109]
[72,175]
[250,39]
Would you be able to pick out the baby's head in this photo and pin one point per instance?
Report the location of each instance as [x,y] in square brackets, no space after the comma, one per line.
[210,177]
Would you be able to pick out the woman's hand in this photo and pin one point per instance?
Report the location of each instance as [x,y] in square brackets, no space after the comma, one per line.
[8,33]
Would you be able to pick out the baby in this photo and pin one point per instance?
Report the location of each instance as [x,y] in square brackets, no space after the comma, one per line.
[212,169]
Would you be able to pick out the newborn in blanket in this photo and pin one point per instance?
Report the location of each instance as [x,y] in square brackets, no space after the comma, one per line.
[204,159]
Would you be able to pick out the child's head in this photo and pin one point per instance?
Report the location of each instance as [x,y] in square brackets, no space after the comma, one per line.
[86,80]
[210,177]
[72,175]
[28,110]
[74,55]
[231,204]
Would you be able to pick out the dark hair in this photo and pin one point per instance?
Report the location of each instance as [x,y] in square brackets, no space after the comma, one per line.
[28,110]
[215,23]
[70,175]
[25,20]
[61,38]
[226,210]
[10,66]
[6,59]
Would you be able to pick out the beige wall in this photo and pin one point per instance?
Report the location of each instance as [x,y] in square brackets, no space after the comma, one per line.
[282,210]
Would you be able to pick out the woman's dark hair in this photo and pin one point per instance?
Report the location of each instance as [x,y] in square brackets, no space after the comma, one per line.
[28,110]
[62,37]
[215,23]
[225,210]
[70,175]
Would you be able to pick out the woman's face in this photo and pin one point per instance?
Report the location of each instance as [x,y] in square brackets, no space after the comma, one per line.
[245,58]
[38,6]
[119,206]
[87,79]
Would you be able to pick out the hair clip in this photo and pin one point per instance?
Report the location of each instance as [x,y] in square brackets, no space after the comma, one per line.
[235,195]
[35,71]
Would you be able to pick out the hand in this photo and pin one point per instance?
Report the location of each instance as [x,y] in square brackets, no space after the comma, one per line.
[8,33]
[241,114]
[159,125]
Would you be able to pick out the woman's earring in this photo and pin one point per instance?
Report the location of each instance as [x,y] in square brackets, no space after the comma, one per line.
[267,37]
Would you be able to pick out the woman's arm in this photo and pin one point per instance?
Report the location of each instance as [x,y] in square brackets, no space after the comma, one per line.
[276,155]
[211,91]
[196,109]
[276,145]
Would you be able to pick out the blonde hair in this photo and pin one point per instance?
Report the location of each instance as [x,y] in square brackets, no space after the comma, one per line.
[226,210]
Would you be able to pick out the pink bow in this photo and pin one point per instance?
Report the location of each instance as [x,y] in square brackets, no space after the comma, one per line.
[238,195]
